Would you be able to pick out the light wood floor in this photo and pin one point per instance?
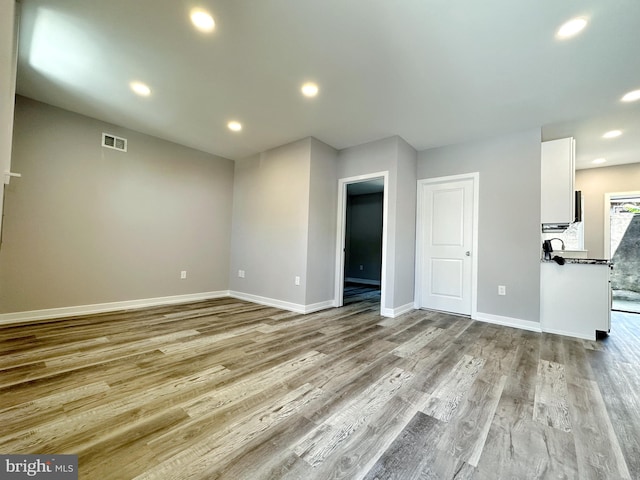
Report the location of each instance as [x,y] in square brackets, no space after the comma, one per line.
[231,390]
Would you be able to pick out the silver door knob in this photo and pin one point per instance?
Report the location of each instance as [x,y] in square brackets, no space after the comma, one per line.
[467,253]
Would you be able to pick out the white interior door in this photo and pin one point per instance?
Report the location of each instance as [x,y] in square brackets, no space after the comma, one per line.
[447,213]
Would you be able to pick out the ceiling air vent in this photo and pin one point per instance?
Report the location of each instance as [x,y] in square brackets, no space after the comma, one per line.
[111,141]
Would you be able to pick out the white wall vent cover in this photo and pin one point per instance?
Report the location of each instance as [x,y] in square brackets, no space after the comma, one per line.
[111,141]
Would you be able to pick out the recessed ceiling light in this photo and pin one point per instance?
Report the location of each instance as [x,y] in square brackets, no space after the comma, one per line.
[234,126]
[612,134]
[631,96]
[202,20]
[309,89]
[599,160]
[140,89]
[572,27]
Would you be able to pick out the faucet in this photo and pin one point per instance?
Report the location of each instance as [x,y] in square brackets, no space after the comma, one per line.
[561,241]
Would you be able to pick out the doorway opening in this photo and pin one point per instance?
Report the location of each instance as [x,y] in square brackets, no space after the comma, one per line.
[361,243]
[622,227]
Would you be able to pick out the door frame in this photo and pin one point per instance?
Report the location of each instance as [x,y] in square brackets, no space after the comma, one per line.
[420,233]
[607,217]
[338,299]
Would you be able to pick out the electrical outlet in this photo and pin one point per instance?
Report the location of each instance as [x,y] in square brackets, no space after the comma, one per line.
[240,273]
[183,274]
[361,267]
[297,281]
[502,290]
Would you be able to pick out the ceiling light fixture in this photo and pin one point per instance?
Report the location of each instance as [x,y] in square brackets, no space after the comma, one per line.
[202,20]
[599,160]
[631,96]
[571,28]
[140,89]
[234,126]
[309,89]
[612,134]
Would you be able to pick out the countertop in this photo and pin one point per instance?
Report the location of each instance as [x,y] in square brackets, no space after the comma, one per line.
[582,261]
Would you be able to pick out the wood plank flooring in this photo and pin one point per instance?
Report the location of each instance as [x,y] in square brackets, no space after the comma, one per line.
[226,389]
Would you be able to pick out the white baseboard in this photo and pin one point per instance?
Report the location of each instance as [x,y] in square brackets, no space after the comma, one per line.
[34,315]
[571,334]
[316,307]
[272,302]
[395,312]
[508,321]
[364,281]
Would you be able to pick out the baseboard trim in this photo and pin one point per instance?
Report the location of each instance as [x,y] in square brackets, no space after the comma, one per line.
[272,302]
[35,315]
[316,307]
[570,334]
[508,321]
[363,281]
[395,312]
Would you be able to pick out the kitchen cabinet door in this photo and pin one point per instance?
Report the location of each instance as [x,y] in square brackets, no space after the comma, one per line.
[557,181]
[8,62]
[574,299]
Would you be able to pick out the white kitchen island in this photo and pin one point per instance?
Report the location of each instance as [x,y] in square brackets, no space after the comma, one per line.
[575,298]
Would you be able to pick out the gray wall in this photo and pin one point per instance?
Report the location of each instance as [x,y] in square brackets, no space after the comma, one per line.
[270,223]
[374,157]
[594,183]
[395,156]
[323,205]
[90,225]
[363,237]
[284,223]
[509,217]
[405,223]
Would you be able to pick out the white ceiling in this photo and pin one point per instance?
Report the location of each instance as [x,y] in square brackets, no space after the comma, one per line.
[435,72]
[589,142]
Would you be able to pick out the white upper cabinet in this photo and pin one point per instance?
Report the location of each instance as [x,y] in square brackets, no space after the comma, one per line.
[8,59]
[558,173]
